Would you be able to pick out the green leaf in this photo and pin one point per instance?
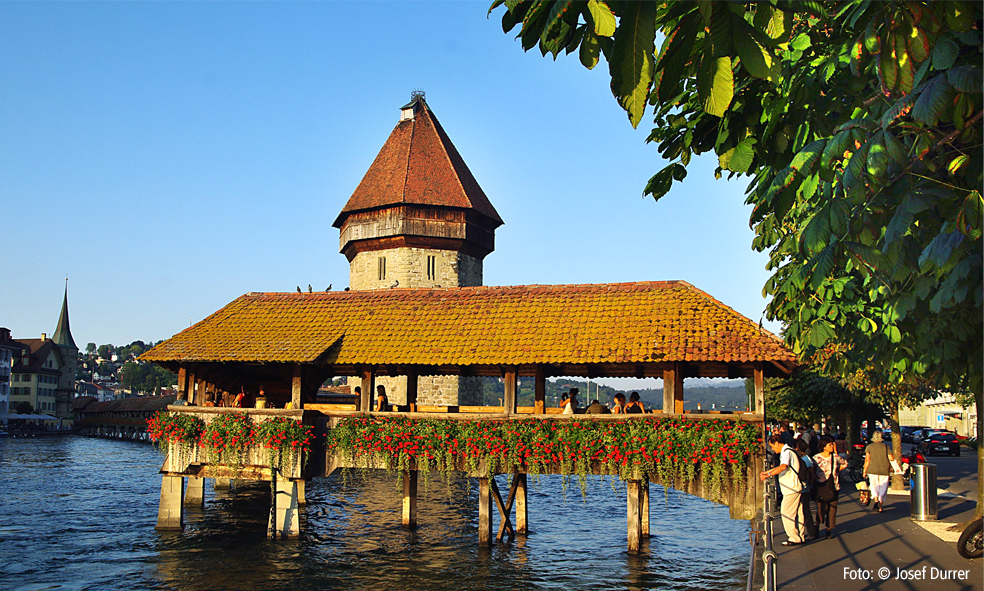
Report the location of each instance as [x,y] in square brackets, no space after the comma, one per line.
[674,56]
[631,65]
[775,23]
[945,53]
[604,20]
[715,85]
[872,42]
[820,332]
[893,333]
[933,100]
[959,15]
[888,68]
[824,265]
[939,250]
[957,163]
[554,17]
[853,172]
[590,50]
[805,159]
[966,78]
[755,58]
[971,213]
[817,233]
[901,108]
[801,42]
[918,43]
[739,158]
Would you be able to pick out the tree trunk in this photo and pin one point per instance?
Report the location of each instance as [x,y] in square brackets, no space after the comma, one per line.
[893,421]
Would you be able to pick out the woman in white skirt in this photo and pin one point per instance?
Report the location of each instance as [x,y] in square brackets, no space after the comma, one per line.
[877,467]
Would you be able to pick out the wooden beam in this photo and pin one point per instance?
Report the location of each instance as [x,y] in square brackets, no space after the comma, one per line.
[522,517]
[412,375]
[644,510]
[509,400]
[190,397]
[673,389]
[296,382]
[410,499]
[484,513]
[182,383]
[634,516]
[505,509]
[759,388]
[539,390]
[368,389]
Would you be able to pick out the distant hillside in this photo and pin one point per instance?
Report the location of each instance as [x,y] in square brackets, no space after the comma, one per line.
[708,396]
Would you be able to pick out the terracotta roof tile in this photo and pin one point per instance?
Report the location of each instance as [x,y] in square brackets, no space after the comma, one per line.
[418,165]
[606,323]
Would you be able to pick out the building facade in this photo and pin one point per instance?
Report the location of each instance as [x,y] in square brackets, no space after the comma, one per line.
[43,370]
[419,219]
[9,349]
[942,412]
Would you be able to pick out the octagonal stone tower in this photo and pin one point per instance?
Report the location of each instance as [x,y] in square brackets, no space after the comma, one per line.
[419,219]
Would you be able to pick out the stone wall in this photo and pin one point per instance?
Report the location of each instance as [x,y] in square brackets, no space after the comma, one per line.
[432,390]
[409,267]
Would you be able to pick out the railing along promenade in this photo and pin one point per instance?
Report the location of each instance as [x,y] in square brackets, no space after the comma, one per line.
[640,449]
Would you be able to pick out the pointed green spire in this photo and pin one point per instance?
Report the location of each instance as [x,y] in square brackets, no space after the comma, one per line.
[63,334]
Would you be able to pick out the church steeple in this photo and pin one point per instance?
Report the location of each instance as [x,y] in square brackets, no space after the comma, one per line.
[63,334]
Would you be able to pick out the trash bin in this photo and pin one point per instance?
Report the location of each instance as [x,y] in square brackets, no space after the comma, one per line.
[923,501]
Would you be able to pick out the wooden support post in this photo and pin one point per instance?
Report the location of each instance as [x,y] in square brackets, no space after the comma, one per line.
[182,383]
[368,389]
[673,389]
[634,516]
[410,499]
[284,516]
[195,492]
[505,509]
[759,388]
[222,483]
[190,396]
[200,392]
[296,382]
[484,513]
[644,511]
[522,521]
[412,389]
[509,398]
[170,513]
[539,390]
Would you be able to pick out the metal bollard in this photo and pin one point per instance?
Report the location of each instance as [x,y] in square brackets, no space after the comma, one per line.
[923,501]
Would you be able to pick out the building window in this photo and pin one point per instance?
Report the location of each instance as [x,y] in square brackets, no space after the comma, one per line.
[431,267]
[27,391]
[382,268]
[16,391]
[27,378]
[16,377]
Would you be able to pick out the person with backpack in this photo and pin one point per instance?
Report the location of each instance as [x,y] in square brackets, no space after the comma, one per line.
[791,509]
[807,474]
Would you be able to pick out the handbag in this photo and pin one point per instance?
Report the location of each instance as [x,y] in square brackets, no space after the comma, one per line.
[826,491]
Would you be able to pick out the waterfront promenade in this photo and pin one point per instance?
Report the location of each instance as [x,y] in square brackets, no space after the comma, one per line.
[871,541]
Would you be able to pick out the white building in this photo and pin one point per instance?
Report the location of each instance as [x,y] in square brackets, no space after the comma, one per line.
[942,412]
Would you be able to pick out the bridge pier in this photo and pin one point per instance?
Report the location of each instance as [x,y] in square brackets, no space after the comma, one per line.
[284,516]
[644,483]
[484,513]
[410,499]
[170,514]
[522,516]
[634,515]
[195,492]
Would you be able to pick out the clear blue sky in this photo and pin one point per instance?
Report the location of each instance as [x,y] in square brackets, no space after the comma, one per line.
[171,157]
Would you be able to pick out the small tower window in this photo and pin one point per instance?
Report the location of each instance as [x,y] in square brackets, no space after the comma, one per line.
[431,267]
[382,268]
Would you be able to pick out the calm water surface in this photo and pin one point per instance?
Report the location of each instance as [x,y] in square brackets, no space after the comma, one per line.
[78,513]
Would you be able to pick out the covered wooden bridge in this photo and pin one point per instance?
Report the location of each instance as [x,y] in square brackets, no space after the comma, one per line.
[290,343]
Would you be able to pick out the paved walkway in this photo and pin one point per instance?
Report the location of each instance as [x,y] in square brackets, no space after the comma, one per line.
[885,551]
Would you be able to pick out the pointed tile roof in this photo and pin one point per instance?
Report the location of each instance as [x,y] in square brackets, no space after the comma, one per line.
[63,334]
[418,165]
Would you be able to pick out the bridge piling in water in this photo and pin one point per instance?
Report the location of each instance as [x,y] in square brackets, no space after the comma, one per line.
[194,492]
[170,515]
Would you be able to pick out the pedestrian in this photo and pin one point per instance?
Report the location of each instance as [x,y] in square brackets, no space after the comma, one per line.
[829,467]
[635,405]
[619,407]
[877,467]
[791,509]
[803,451]
[382,401]
[569,402]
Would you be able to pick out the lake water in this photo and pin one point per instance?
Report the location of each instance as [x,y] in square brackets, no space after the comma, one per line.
[79,513]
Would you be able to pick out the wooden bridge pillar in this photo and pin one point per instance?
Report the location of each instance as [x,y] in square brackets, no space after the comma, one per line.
[195,492]
[170,514]
[759,388]
[634,515]
[484,513]
[644,509]
[284,516]
[522,516]
[364,402]
[182,384]
[296,382]
[509,397]
[412,375]
[673,389]
[539,390]
[410,499]
[301,498]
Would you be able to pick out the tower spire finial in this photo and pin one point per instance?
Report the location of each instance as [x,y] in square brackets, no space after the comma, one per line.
[63,333]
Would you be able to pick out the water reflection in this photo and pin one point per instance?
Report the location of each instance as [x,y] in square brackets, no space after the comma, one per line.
[79,514]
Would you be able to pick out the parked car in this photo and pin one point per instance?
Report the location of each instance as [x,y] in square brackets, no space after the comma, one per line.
[919,434]
[936,442]
[908,431]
